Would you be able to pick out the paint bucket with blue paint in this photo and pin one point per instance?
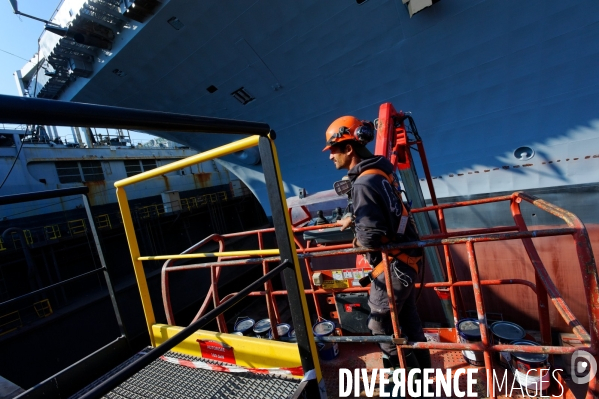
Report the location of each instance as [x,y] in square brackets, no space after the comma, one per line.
[328,350]
[262,328]
[244,325]
[469,333]
[283,330]
[504,333]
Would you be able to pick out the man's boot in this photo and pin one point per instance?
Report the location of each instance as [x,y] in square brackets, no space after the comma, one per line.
[423,356]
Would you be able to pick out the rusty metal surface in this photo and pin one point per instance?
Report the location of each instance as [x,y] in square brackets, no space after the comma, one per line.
[351,356]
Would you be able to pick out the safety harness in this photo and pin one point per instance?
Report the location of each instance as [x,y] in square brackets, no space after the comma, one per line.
[394,253]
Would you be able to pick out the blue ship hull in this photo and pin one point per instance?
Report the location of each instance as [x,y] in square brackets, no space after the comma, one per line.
[483,80]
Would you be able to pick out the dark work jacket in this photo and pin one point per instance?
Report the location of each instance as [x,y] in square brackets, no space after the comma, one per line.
[376,207]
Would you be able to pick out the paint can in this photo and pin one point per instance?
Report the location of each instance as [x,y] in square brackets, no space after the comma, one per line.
[292,337]
[262,328]
[504,333]
[237,333]
[328,350]
[469,333]
[283,330]
[244,325]
[531,369]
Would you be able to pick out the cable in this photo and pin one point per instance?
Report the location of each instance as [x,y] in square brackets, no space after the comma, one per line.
[4,51]
[422,277]
[14,163]
[413,127]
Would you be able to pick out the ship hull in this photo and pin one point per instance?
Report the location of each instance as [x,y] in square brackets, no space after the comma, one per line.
[503,93]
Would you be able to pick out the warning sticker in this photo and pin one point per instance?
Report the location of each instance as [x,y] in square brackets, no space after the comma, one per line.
[347,273]
[337,274]
[216,351]
[332,284]
[358,273]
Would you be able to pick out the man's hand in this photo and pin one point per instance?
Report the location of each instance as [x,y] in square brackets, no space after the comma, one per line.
[345,222]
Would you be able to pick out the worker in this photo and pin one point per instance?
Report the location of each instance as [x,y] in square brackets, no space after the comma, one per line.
[380,217]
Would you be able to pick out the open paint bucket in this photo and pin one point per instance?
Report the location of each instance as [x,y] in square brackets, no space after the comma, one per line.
[469,333]
[531,369]
[323,328]
[283,330]
[262,328]
[505,333]
[329,350]
[243,325]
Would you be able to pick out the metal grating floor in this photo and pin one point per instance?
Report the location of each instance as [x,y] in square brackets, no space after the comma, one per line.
[162,379]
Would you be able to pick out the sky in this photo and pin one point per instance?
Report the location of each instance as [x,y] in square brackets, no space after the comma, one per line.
[18,41]
[18,36]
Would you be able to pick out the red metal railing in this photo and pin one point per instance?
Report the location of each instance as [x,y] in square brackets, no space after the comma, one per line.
[542,287]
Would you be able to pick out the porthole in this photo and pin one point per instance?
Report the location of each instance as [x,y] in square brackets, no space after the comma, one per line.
[524,153]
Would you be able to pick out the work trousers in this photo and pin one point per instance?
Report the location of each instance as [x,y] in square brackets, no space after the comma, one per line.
[403,278]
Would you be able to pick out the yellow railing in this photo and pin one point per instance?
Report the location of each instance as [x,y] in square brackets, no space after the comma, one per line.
[188,203]
[144,212]
[103,222]
[43,308]
[213,198]
[147,211]
[26,233]
[77,226]
[28,237]
[257,252]
[136,257]
[52,232]
[10,322]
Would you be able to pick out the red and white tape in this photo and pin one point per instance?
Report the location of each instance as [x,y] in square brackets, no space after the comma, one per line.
[297,371]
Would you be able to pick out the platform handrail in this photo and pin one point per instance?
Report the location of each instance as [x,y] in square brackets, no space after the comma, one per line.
[121,195]
[35,111]
[227,149]
[282,229]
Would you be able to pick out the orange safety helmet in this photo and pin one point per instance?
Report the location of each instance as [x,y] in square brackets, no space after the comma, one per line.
[349,128]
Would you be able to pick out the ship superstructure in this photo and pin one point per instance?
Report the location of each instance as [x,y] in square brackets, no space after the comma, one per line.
[36,158]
